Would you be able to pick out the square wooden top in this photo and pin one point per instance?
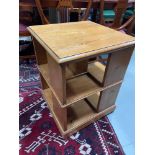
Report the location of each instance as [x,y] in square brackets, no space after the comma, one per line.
[74,40]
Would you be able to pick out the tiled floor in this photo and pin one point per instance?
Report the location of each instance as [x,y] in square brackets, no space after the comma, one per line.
[122,118]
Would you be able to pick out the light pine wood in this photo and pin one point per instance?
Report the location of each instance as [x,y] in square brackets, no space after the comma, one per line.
[97,70]
[88,120]
[108,97]
[68,73]
[78,67]
[93,100]
[44,72]
[72,99]
[76,88]
[78,113]
[79,91]
[105,98]
[80,87]
[79,119]
[40,52]
[117,64]
[44,84]
[70,41]
[57,78]
[60,112]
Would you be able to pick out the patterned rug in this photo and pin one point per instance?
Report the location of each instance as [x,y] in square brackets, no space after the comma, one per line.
[38,133]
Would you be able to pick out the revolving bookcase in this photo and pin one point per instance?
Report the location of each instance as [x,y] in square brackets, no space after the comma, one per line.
[81,65]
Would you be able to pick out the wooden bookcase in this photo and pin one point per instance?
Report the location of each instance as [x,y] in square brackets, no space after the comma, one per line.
[77,86]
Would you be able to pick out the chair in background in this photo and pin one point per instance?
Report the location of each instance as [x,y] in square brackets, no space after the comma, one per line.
[120,11]
[109,16]
[64,9]
[26,50]
[116,20]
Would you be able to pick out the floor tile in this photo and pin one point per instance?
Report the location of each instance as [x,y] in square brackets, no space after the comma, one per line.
[129,149]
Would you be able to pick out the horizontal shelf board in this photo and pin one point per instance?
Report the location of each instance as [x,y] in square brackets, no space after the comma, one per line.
[80,114]
[80,87]
[97,70]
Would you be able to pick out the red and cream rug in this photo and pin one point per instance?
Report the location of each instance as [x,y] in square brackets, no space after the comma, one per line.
[38,133]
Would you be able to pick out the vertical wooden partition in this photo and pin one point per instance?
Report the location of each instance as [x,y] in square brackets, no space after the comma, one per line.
[114,74]
[44,85]
[40,52]
[61,113]
[108,97]
[57,78]
[117,64]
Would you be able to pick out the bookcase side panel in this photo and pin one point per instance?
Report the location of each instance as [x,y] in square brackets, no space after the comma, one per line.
[61,113]
[40,52]
[108,97]
[43,82]
[57,78]
[117,65]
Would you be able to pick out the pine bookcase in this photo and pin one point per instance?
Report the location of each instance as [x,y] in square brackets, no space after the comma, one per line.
[77,83]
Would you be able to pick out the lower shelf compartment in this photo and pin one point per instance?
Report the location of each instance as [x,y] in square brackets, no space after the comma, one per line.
[79,115]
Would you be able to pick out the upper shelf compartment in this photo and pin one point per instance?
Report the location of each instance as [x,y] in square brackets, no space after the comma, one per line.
[78,86]
[70,82]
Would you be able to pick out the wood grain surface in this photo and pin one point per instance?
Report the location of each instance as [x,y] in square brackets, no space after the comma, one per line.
[69,41]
